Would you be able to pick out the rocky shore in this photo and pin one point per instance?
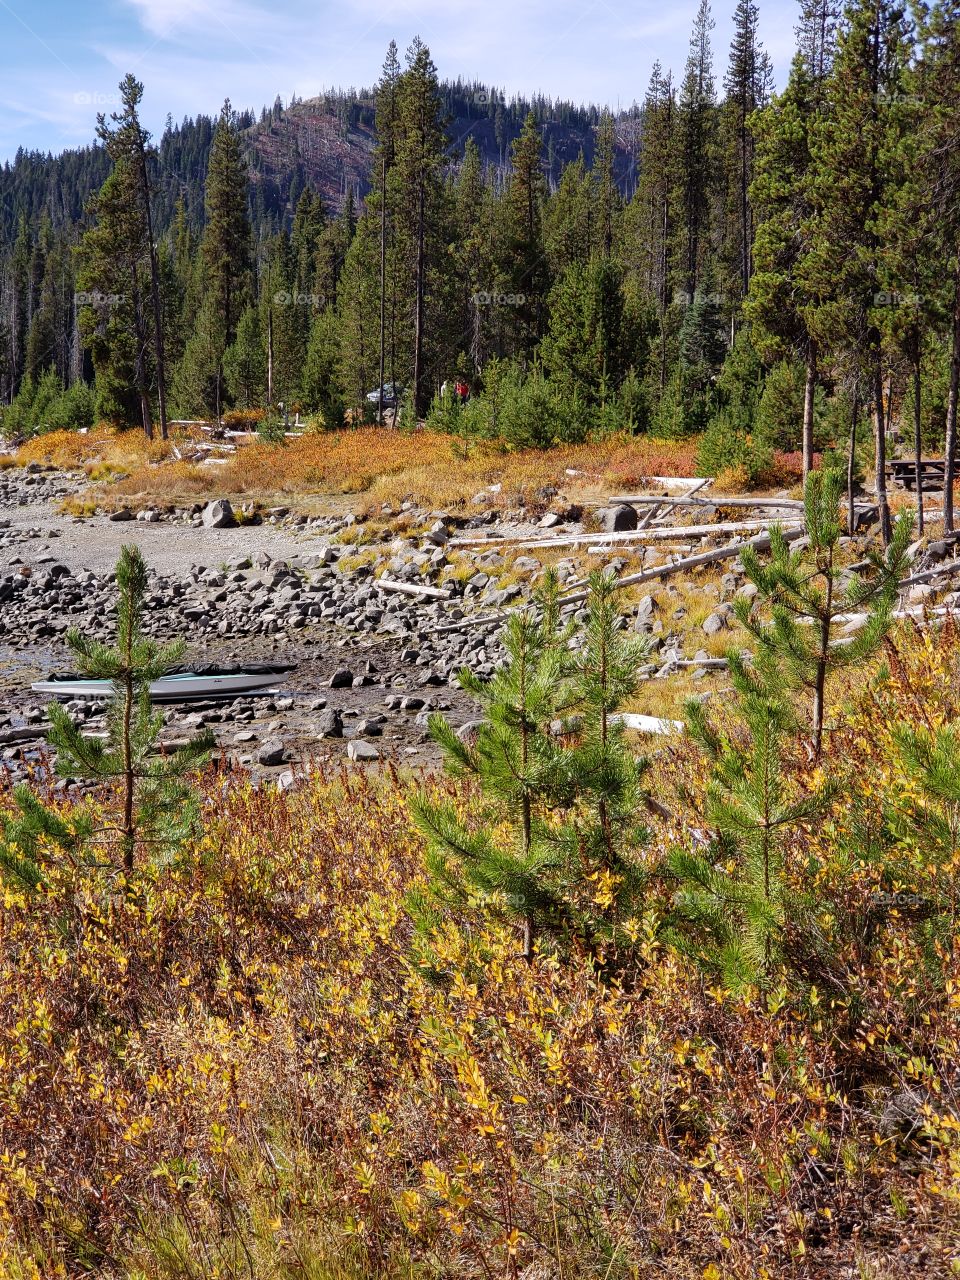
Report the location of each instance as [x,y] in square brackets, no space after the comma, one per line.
[379,616]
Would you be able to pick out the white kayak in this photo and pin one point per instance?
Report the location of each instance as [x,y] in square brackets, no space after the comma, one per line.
[177,687]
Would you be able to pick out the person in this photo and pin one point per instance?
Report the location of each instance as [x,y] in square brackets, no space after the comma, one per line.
[463,391]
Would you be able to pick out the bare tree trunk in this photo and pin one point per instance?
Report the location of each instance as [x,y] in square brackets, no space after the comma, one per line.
[154,288]
[383,284]
[809,393]
[141,341]
[852,460]
[917,442]
[951,441]
[880,442]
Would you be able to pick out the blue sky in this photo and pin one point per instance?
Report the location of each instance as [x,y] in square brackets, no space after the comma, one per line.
[61,59]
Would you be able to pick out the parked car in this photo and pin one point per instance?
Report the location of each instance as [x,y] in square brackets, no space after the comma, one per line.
[391,395]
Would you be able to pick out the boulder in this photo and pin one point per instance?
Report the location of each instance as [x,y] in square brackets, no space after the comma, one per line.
[361,751]
[342,679]
[328,724]
[271,752]
[218,514]
[619,519]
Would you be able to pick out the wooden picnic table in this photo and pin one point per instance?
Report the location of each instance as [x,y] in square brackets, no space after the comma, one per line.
[904,471]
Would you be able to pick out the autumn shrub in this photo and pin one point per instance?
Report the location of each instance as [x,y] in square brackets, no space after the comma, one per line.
[251,1067]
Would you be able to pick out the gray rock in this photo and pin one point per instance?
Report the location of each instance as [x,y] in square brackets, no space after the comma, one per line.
[342,679]
[271,752]
[619,519]
[360,751]
[218,514]
[713,624]
[123,514]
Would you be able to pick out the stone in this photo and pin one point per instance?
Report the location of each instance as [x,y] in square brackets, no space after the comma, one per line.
[548,521]
[618,519]
[469,730]
[123,514]
[713,624]
[218,514]
[271,752]
[329,724]
[342,679]
[362,751]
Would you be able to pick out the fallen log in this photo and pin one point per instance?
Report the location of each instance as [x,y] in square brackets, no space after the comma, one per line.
[632,535]
[412,589]
[925,576]
[23,733]
[647,724]
[760,543]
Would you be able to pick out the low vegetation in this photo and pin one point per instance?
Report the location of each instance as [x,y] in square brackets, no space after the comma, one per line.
[556,1014]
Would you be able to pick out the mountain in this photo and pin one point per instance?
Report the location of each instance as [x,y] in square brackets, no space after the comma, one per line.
[326,143]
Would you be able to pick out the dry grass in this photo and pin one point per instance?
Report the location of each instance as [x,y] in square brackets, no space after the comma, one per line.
[384,466]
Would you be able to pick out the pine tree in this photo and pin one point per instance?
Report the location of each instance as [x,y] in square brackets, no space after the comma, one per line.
[735,906]
[129,140]
[607,200]
[525,267]
[939,151]
[777,308]
[225,249]
[602,878]
[113,319]
[387,95]
[417,180]
[802,595]
[507,863]
[747,84]
[155,807]
[696,140]
[851,190]
[244,363]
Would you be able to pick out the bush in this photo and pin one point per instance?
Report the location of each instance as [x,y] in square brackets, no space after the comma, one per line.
[45,406]
[723,447]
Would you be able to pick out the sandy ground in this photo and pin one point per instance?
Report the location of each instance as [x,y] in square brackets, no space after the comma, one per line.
[95,544]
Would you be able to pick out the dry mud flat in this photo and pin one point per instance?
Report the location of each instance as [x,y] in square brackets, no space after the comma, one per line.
[236,594]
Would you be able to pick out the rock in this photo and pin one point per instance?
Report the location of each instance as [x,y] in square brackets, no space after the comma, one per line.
[123,514]
[342,679]
[469,729]
[218,514]
[329,724]
[920,592]
[619,519]
[360,751]
[713,624]
[903,1114]
[271,752]
[549,521]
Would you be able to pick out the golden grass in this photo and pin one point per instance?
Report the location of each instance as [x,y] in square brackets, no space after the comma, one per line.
[385,466]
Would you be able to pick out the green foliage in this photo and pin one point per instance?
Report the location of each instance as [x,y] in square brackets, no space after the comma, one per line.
[735,901]
[562,792]
[726,444]
[802,594]
[509,860]
[156,806]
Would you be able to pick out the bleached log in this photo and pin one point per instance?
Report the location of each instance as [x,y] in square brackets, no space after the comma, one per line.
[647,724]
[412,589]
[675,532]
[927,574]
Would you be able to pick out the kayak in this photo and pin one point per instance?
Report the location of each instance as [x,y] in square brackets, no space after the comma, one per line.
[180,686]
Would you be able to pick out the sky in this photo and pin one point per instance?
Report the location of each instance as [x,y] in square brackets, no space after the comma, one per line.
[61,60]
